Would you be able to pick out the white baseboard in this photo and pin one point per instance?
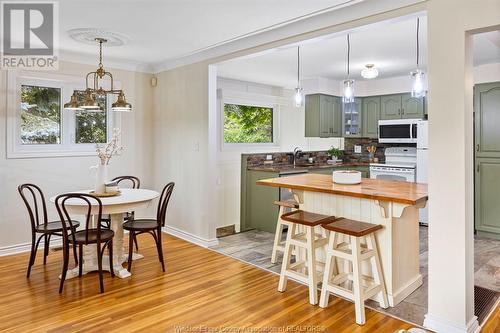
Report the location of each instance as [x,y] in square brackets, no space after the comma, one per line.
[439,325]
[190,237]
[26,247]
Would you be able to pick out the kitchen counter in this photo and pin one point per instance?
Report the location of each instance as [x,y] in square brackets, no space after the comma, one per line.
[375,189]
[391,204]
[290,168]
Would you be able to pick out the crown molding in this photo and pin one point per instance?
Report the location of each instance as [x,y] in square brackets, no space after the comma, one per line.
[348,11]
[110,62]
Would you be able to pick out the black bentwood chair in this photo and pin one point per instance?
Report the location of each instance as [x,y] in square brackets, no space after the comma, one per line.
[86,236]
[34,200]
[150,226]
[133,183]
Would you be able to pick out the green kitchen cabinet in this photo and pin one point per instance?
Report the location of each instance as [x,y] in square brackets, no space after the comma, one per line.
[323,116]
[352,120]
[401,106]
[365,170]
[412,107]
[259,211]
[390,107]
[322,171]
[487,119]
[487,159]
[371,116]
[487,193]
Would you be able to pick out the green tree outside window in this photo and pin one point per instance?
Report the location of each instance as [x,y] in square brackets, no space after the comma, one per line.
[248,124]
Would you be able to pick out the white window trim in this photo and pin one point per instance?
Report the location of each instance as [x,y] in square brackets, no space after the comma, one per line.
[67,147]
[249,99]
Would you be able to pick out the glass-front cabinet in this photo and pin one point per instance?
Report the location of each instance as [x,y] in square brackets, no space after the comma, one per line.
[352,118]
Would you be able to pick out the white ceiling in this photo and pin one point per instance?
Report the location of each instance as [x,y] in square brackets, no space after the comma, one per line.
[162,30]
[390,46]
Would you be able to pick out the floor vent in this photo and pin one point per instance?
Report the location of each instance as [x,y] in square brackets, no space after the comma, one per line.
[484,301]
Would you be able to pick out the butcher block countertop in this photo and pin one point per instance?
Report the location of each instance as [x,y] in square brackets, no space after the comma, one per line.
[375,189]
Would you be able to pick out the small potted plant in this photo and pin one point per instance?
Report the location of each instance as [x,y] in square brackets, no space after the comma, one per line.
[335,154]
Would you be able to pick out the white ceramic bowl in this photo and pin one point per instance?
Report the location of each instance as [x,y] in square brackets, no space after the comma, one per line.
[346,177]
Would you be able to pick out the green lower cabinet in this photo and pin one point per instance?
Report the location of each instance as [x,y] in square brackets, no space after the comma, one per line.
[260,211]
[487,196]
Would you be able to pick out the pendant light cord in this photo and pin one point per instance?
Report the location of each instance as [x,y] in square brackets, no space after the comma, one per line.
[418,46]
[298,66]
[348,54]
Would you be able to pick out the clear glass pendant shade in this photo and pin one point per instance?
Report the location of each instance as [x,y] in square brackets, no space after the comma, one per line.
[348,95]
[417,89]
[298,97]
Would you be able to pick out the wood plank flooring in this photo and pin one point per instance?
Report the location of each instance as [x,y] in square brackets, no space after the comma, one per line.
[201,289]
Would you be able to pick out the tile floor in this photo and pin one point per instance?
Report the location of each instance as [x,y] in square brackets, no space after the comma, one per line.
[255,247]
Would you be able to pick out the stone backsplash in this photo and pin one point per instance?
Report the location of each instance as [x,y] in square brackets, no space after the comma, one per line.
[286,158]
[351,157]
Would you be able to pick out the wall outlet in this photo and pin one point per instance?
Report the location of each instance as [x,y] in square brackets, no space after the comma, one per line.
[357,149]
[269,157]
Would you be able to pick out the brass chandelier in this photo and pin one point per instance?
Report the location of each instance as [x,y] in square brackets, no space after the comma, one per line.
[89,102]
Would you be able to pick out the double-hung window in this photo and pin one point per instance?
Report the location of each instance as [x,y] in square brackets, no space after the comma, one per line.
[39,126]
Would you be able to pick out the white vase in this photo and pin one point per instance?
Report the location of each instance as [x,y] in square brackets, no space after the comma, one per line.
[101,177]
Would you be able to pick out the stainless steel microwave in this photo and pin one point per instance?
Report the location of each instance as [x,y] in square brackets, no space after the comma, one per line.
[398,131]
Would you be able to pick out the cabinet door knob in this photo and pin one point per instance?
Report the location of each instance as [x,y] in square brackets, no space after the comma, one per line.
[477,147]
[402,111]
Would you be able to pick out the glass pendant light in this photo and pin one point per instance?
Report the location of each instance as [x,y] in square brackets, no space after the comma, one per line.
[299,91]
[417,89]
[348,96]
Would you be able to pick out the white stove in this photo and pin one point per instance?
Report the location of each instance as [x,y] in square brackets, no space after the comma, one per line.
[400,164]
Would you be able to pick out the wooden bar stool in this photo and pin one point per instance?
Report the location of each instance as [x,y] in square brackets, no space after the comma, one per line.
[363,287]
[279,245]
[303,270]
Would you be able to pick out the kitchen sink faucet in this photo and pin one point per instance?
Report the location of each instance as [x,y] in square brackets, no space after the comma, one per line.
[296,153]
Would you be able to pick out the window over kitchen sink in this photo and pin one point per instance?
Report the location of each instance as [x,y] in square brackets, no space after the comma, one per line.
[248,124]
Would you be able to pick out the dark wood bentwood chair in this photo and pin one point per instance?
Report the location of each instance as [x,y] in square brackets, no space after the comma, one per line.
[150,226]
[87,236]
[34,200]
[133,182]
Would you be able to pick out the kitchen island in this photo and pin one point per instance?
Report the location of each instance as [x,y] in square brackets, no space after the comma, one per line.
[394,205]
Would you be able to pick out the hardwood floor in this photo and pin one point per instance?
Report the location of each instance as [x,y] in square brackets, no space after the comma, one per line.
[200,288]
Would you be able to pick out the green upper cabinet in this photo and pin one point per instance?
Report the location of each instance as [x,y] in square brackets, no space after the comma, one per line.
[323,116]
[371,116]
[352,118]
[401,106]
[390,107]
[411,107]
[487,119]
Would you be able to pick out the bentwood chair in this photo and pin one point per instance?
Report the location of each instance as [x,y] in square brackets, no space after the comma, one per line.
[34,200]
[132,182]
[90,235]
[150,226]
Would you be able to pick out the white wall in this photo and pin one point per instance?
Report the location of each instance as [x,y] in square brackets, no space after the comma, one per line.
[451,190]
[62,174]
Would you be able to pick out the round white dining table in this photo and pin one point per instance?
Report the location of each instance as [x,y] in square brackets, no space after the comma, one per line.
[128,201]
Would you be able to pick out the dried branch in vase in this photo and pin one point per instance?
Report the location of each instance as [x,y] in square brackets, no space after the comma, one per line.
[111,149]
